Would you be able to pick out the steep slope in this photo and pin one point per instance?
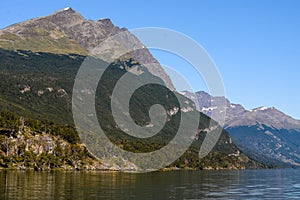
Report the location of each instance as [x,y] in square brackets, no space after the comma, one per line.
[39,86]
[267,134]
[67,32]
[39,60]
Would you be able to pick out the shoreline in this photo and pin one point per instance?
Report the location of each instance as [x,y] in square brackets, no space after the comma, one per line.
[121,171]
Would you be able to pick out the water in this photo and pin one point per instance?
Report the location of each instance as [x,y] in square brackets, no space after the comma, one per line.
[247,184]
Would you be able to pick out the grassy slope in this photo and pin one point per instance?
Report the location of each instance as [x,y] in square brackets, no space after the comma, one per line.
[41,40]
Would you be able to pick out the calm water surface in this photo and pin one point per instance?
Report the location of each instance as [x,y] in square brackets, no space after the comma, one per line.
[248,184]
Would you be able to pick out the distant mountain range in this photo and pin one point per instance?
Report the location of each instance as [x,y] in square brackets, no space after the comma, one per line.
[39,60]
[264,133]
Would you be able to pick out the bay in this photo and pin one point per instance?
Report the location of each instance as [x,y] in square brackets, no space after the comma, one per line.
[235,184]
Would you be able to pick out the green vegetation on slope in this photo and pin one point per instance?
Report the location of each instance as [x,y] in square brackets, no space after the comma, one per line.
[32,144]
[41,40]
[38,86]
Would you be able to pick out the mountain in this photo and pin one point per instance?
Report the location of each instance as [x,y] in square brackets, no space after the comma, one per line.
[266,133]
[38,86]
[39,60]
[67,32]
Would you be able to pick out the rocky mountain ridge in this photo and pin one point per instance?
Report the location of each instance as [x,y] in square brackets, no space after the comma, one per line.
[67,32]
[237,115]
[266,133]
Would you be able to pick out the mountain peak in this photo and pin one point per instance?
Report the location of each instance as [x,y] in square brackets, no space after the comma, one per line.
[67,31]
[66,10]
[237,115]
[262,108]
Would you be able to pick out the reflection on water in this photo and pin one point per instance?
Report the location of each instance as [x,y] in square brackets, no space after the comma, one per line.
[248,184]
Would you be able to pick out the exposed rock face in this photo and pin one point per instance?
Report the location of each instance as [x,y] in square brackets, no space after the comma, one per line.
[267,134]
[237,115]
[208,104]
[27,149]
[66,31]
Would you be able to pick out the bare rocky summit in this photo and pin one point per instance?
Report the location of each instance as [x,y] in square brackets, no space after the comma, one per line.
[237,115]
[67,32]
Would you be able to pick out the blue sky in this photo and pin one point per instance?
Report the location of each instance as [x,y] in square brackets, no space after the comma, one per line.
[255,44]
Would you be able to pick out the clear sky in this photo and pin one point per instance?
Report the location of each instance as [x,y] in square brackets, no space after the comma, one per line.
[255,44]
